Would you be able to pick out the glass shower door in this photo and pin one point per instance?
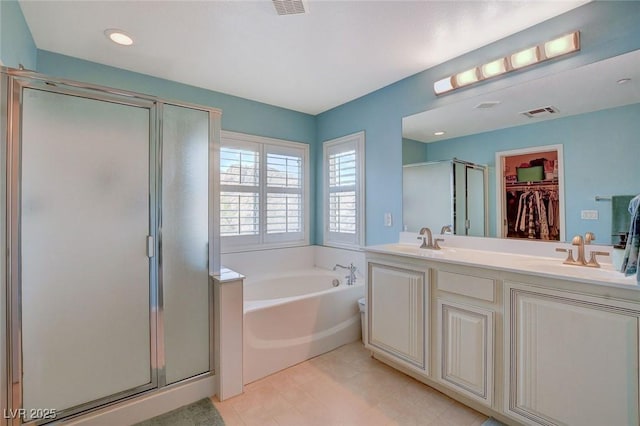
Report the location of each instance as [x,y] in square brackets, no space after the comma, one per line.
[475,202]
[184,268]
[84,216]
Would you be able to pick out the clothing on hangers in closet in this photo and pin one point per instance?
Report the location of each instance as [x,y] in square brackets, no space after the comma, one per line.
[536,214]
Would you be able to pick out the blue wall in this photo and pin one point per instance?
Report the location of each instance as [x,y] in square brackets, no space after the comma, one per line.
[607,29]
[413,152]
[16,44]
[238,114]
[601,153]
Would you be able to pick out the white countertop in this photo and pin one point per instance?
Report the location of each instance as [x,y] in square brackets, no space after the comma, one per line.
[534,265]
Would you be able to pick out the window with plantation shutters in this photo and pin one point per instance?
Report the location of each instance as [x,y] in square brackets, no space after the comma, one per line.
[284,193]
[263,192]
[239,190]
[344,190]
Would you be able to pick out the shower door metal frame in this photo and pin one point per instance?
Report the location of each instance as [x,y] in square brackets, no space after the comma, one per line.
[14,195]
[213,261]
[485,187]
[11,83]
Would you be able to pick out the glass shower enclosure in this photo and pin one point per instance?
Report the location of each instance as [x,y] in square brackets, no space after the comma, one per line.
[450,193]
[110,233]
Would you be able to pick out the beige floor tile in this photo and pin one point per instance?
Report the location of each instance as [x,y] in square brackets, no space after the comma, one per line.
[459,414]
[345,387]
[294,418]
[228,413]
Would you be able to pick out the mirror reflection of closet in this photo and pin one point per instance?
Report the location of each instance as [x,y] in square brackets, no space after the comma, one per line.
[530,193]
[450,193]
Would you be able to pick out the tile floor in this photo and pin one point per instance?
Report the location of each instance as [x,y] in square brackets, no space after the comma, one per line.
[344,387]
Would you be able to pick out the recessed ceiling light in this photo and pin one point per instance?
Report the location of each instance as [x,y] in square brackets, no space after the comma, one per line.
[623,81]
[119,37]
[440,133]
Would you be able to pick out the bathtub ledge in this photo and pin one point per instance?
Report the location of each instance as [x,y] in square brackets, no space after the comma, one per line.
[227,275]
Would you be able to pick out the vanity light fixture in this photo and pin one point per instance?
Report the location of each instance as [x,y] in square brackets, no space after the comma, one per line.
[118,37]
[493,68]
[444,85]
[466,77]
[623,81]
[561,45]
[551,49]
[440,133]
[525,57]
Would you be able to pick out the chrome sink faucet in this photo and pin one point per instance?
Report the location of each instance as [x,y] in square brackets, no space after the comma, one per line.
[351,278]
[427,239]
[446,230]
[579,242]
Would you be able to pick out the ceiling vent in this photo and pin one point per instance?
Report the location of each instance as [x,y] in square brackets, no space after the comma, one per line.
[486,105]
[540,112]
[289,7]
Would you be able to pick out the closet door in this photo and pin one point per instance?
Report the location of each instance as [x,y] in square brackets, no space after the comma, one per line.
[84,218]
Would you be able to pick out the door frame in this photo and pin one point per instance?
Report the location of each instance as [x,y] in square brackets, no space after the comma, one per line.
[501,227]
[11,84]
[16,86]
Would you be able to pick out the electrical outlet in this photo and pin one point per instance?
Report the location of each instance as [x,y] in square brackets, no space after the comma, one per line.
[589,214]
[388,219]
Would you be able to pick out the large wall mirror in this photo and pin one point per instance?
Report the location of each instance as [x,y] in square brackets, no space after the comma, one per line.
[453,201]
[592,113]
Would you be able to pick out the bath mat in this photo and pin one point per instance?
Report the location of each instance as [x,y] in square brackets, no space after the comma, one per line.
[492,422]
[201,413]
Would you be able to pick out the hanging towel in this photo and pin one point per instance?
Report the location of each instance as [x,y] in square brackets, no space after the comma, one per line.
[620,218]
[630,261]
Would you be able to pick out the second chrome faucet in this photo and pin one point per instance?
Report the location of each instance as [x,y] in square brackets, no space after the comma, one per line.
[579,242]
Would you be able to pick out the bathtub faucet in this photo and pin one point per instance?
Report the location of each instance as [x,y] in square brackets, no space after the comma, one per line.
[351,278]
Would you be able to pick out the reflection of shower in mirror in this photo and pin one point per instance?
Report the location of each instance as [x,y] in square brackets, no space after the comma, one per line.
[445,193]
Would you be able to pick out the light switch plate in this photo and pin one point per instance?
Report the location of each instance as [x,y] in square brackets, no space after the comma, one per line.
[589,214]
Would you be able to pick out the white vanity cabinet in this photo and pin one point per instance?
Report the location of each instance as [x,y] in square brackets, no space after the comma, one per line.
[465,334]
[465,349]
[398,313]
[570,359]
[525,346]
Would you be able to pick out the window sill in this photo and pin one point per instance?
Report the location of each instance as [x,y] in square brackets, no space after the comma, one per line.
[260,247]
[353,247]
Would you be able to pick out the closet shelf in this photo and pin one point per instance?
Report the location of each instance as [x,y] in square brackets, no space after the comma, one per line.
[543,184]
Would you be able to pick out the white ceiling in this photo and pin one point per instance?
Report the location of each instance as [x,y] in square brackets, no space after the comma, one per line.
[338,51]
[585,89]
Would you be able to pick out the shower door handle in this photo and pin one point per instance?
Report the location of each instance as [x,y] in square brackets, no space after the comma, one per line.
[150,246]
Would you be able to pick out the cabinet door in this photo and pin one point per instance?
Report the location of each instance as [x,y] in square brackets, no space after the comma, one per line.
[398,312]
[571,360]
[465,349]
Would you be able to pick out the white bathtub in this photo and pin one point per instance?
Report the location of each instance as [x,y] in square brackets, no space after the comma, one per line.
[289,318]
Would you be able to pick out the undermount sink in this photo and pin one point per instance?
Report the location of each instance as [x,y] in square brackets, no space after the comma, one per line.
[417,251]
